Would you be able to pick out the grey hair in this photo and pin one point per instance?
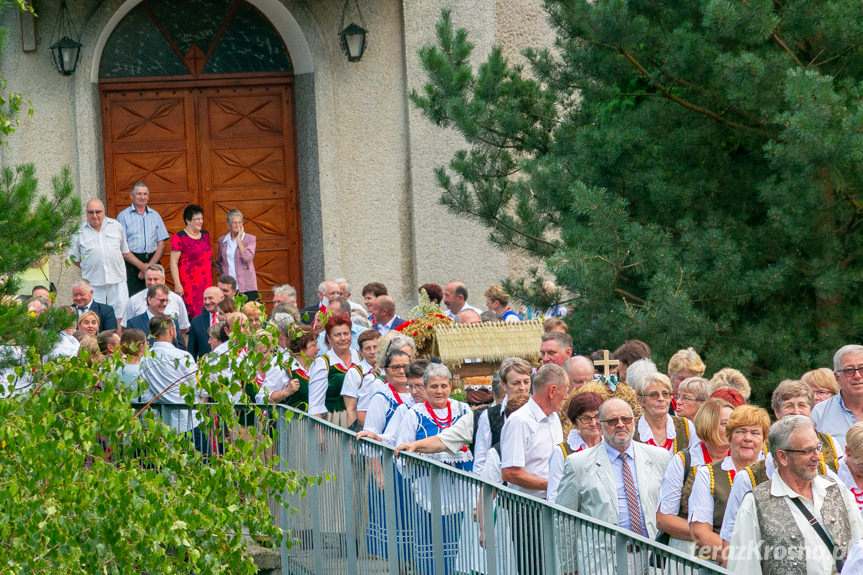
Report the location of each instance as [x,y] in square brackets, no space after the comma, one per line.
[496,385]
[399,341]
[436,370]
[639,370]
[609,400]
[698,386]
[288,289]
[779,436]
[549,374]
[360,320]
[156,268]
[138,184]
[232,214]
[346,282]
[390,342]
[82,283]
[842,352]
[283,322]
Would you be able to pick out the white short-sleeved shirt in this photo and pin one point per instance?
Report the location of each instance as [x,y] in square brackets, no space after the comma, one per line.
[491,469]
[746,539]
[355,379]
[370,386]
[556,461]
[701,502]
[376,416]
[275,379]
[483,438]
[319,379]
[137,304]
[100,253]
[645,434]
[165,371]
[527,438]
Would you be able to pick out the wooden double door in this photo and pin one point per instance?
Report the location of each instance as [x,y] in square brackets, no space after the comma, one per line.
[221,146]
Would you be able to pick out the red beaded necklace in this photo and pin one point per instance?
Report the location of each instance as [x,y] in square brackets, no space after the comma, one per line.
[441,423]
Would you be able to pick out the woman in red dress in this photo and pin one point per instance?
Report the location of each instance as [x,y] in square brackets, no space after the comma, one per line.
[192,260]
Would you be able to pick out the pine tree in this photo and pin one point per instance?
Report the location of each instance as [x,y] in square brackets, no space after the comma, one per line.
[690,172]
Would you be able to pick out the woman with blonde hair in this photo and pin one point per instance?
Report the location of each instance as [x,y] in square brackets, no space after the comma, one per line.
[656,426]
[89,323]
[822,382]
[730,378]
[710,422]
[682,365]
[851,466]
[746,431]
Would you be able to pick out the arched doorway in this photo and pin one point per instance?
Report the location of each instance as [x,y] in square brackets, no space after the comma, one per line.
[197,100]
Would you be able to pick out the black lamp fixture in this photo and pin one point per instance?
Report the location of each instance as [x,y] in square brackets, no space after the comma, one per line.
[353,37]
[65,48]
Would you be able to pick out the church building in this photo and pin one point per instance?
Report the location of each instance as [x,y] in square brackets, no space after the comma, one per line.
[254,105]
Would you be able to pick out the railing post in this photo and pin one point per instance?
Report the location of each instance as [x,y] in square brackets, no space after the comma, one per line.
[390,507]
[487,527]
[436,517]
[350,512]
[549,545]
[282,453]
[620,541]
[314,443]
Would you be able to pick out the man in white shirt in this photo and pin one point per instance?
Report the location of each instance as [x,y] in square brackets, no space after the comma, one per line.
[137,304]
[145,235]
[777,526]
[166,372]
[527,438]
[99,248]
[455,298]
[385,318]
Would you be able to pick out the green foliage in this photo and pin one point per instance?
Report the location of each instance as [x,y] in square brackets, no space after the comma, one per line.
[91,485]
[689,172]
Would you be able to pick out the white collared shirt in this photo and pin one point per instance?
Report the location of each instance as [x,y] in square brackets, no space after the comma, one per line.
[746,539]
[454,316]
[645,433]
[230,250]
[701,502]
[319,380]
[137,304]
[527,438]
[384,328]
[100,253]
[166,371]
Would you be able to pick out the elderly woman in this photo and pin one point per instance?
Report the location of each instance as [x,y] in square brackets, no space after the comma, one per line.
[515,380]
[710,422]
[583,412]
[822,382]
[684,364]
[237,254]
[745,430]
[792,397]
[192,260]
[728,377]
[253,312]
[851,466]
[392,394]
[437,413]
[328,372]
[89,323]
[656,426]
[690,395]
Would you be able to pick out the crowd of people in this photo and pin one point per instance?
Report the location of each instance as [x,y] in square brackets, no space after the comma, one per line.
[665,453]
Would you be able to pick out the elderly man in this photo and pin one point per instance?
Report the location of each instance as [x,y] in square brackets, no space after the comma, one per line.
[82,297]
[345,289]
[526,441]
[137,304]
[580,370]
[468,316]
[99,249]
[157,301]
[798,521]
[38,305]
[790,397]
[837,414]
[145,234]
[616,481]
[455,298]
[199,339]
[166,370]
[285,293]
[385,318]
[327,290]
[555,348]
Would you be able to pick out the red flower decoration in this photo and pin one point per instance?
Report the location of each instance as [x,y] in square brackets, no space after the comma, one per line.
[464,448]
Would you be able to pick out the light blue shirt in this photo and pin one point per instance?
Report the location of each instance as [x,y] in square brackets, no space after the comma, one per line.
[617,471]
[831,416]
[143,232]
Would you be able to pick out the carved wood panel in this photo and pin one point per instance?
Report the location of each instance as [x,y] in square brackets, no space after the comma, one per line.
[222,147]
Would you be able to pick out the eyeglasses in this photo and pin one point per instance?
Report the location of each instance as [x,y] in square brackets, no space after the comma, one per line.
[807,452]
[849,371]
[612,421]
[398,367]
[654,395]
[586,419]
[822,393]
[685,398]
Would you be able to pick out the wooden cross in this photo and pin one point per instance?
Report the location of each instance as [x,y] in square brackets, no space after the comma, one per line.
[606,363]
